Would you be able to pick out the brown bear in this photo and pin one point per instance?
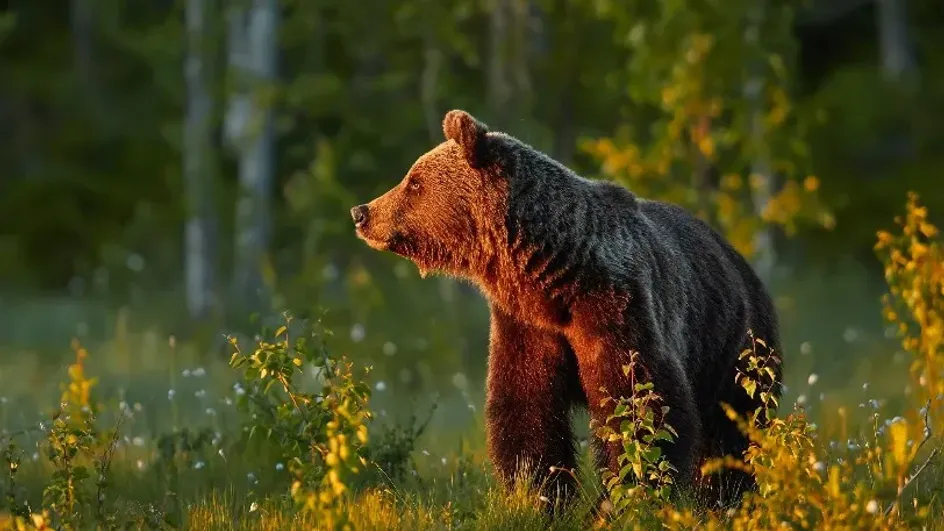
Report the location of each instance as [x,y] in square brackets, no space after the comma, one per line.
[579,274]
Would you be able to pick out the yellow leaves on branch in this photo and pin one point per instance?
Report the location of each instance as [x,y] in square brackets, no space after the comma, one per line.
[691,137]
[914,271]
[77,392]
[811,183]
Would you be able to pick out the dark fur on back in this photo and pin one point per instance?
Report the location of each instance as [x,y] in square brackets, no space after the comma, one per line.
[578,275]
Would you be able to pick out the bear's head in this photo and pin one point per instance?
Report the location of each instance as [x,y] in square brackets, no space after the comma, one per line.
[442,214]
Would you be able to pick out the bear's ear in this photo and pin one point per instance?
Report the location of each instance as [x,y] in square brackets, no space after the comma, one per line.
[468,132]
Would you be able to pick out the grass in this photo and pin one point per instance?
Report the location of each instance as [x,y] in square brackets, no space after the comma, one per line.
[153,433]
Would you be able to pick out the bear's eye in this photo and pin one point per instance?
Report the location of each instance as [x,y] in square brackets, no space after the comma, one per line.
[414,185]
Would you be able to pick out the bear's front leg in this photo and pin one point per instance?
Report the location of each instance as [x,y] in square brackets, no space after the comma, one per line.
[532,379]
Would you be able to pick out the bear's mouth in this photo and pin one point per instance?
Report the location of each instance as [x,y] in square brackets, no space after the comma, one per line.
[373,243]
[395,243]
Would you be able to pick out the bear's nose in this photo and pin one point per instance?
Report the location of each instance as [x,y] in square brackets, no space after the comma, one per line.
[359,214]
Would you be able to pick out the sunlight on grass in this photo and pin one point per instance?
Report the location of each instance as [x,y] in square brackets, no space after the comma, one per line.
[288,436]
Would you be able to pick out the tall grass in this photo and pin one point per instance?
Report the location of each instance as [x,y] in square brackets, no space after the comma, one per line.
[289,435]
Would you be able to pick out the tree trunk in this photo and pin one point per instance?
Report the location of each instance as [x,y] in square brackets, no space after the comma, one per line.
[252,59]
[896,55]
[198,169]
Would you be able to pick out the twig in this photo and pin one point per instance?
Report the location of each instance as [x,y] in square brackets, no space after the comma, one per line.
[291,395]
[14,434]
[104,465]
[924,465]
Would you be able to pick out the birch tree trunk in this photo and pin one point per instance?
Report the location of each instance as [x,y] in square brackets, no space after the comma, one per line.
[762,186]
[896,56]
[253,48]
[199,256]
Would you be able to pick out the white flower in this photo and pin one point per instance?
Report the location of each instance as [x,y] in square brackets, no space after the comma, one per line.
[254,507]
[199,464]
[357,333]
[138,441]
[801,399]
[199,372]
[279,466]
[871,507]
[850,334]
[134,262]
[812,379]
[330,272]
[170,394]
[381,386]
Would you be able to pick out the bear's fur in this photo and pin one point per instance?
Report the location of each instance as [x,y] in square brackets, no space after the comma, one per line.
[578,274]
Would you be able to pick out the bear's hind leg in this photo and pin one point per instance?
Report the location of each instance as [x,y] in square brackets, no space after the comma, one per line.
[724,488]
[671,385]
[530,389]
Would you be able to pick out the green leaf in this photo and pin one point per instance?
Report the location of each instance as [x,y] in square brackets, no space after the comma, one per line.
[623,471]
[749,385]
[653,454]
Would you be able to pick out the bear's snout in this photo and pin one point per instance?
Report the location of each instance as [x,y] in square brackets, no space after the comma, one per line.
[359,215]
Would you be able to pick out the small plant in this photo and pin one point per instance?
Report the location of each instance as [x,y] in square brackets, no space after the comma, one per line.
[644,480]
[321,433]
[12,499]
[391,452]
[914,272]
[70,444]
